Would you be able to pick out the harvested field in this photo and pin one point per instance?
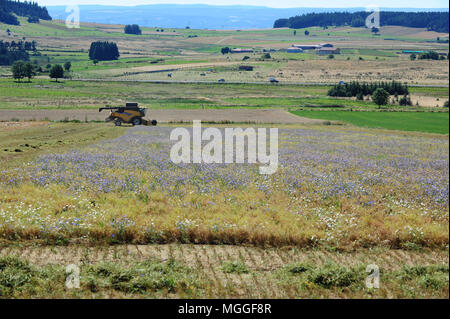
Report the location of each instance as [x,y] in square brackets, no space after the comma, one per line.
[126,73]
[388,259]
[9,126]
[241,272]
[301,71]
[419,72]
[165,116]
[428,101]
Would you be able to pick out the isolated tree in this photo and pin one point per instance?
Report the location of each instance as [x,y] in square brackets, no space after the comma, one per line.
[412,57]
[331,56]
[18,70]
[295,32]
[375,30]
[306,32]
[95,62]
[380,97]
[67,66]
[56,72]
[29,71]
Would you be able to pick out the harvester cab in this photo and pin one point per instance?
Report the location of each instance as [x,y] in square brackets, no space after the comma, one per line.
[131,113]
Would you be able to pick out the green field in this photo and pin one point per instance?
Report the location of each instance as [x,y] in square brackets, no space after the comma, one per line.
[429,122]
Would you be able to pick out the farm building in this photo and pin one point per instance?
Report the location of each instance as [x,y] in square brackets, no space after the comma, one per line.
[294,50]
[246,68]
[326,51]
[411,51]
[242,50]
[306,46]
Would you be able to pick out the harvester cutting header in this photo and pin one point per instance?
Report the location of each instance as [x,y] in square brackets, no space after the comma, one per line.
[131,113]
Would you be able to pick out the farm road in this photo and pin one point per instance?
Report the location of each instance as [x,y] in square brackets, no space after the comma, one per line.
[268,116]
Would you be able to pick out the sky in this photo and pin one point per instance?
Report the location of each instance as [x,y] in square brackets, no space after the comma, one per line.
[274,4]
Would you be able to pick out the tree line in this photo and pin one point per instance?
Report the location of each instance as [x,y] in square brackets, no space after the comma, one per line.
[357,89]
[432,55]
[433,21]
[34,12]
[14,51]
[21,69]
[103,51]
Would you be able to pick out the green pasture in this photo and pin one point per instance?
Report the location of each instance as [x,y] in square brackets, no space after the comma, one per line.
[430,122]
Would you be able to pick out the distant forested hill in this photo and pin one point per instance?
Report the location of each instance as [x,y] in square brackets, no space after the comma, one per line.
[9,10]
[433,21]
[198,16]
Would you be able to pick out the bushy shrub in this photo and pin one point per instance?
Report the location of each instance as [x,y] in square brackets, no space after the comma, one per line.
[235,267]
[336,276]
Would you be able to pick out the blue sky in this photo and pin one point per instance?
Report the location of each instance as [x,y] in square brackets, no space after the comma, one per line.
[274,4]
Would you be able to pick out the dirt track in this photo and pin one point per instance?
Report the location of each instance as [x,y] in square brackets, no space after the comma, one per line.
[164,116]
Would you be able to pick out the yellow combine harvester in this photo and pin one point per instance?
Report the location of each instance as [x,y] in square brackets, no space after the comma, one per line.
[131,113]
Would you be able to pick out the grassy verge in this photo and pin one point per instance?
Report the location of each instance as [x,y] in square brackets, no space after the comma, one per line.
[403,121]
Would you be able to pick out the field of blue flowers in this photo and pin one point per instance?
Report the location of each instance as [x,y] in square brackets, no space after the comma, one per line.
[336,186]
